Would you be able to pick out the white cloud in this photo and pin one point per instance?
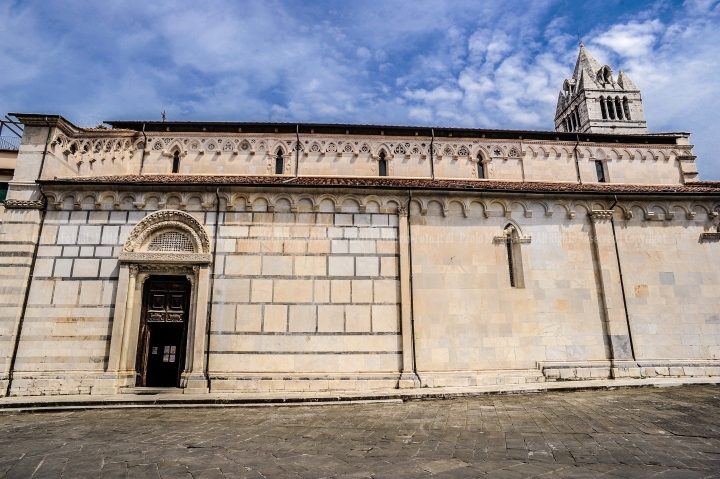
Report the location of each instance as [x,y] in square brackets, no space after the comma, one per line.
[465,63]
[632,39]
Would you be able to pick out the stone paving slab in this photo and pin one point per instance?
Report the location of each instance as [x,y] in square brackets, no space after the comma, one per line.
[621,433]
[15,404]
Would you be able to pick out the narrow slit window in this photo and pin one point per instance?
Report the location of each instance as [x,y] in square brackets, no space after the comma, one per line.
[176,162]
[382,164]
[481,167]
[603,110]
[511,266]
[618,108]
[600,169]
[611,108]
[279,163]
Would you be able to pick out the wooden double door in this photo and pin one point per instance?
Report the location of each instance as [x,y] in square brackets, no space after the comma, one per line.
[163,331]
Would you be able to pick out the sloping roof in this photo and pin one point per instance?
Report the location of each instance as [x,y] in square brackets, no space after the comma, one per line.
[587,63]
[625,82]
[700,187]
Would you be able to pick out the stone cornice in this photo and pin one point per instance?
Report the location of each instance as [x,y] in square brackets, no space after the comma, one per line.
[152,257]
[24,204]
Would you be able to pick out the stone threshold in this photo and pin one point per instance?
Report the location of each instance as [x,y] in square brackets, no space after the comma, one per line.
[29,404]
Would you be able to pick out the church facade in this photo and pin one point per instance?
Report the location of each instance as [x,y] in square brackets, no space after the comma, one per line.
[230,257]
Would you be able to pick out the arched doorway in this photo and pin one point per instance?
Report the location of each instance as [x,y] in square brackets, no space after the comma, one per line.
[163,331]
[163,290]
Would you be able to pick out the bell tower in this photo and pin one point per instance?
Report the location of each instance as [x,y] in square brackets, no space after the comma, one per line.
[592,101]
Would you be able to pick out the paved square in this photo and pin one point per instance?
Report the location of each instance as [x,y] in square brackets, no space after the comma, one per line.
[629,433]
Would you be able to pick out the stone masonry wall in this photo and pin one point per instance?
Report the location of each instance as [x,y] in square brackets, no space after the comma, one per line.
[307,296]
[672,286]
[468,317]
[244,154]
[307,288]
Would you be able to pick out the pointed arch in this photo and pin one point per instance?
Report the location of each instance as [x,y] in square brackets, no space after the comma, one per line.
[382,147]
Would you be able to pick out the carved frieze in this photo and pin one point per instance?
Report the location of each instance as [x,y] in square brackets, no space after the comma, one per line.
[158,257]
[24,204]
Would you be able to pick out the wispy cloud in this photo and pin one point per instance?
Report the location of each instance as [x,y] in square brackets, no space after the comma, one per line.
[460,63]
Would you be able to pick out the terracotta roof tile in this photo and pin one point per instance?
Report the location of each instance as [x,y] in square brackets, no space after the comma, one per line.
[707,187]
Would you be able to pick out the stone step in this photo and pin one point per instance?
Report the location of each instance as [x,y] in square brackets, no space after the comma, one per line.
[151,391]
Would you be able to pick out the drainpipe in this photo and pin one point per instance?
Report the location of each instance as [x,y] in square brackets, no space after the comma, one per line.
[212,286]
[297,155]
[577,161]
[142,158]
[28,284]
[622,282]
[432,162]
[522,160]
[412,313]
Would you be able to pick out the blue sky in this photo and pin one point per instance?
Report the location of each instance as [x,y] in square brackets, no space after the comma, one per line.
[496,64]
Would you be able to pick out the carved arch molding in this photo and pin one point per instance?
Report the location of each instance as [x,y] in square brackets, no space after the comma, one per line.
[135,248]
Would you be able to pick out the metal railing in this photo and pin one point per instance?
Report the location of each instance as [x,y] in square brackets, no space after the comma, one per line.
[10,143]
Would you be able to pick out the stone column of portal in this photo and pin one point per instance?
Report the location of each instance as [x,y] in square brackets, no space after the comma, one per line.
[197,380]
[125,367]
[621,355]
[408,378]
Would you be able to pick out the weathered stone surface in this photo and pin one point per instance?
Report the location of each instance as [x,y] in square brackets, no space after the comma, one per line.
[669,432]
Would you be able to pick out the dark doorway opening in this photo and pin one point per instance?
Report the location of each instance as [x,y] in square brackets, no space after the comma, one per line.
[163,331]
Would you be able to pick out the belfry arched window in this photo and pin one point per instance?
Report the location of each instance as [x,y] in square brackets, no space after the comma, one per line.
[577,118]
[611,108]
[626,108]
[279,162]
[618,108]
[480,166]
[176,162]
[382,164]
[603,109]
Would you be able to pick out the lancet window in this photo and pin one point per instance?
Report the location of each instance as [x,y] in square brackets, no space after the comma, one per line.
[176,162]
[382,164]
[279,162]
[514,256]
